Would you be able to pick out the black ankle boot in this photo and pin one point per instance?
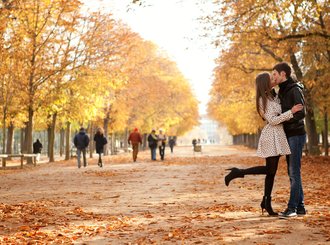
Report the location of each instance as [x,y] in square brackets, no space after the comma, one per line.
[234,173]
[267,204]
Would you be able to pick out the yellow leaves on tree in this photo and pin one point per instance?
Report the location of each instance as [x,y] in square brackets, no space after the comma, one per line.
[275,31]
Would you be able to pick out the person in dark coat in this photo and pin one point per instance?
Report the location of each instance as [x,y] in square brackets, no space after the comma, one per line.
[100,142]
[152,142]
[171,143]
[81,141]
[37,146]
[194,142]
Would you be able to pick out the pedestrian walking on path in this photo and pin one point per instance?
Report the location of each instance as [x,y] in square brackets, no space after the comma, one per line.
[81,141]
[272,142]
[171,143]
[100,142]
[161,144]
[135,139]
[152,142]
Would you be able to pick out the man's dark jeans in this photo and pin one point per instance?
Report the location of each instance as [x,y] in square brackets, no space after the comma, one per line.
[153,153]
[296,144]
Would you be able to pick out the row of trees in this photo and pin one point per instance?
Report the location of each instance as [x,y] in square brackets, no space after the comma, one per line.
[61,68]
[260,34]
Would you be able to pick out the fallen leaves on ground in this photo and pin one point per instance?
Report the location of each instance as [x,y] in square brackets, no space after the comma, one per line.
[62,220]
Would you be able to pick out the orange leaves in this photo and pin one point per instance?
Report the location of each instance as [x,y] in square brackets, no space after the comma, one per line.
[272,32]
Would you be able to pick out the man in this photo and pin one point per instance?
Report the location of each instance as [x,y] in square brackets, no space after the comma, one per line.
[290,94]
[81,141]
[37,146]
[135,138]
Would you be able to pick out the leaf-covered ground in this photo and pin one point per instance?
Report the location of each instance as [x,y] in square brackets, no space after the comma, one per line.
[182,200]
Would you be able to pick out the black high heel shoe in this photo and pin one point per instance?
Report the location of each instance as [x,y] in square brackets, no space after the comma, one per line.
[234,173]
[267,205]
[263,205]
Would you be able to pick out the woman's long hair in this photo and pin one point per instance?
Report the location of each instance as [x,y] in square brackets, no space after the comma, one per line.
[263,91]
[99,131]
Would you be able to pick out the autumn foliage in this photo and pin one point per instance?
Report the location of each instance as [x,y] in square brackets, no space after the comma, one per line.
[62,67]
[256,36]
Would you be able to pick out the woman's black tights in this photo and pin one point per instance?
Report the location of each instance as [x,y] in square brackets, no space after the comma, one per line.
[269,170]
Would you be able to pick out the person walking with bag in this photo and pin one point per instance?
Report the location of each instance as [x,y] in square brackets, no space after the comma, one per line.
[290,93]
[135,138]
[272,143]
[152,142]
[100,142]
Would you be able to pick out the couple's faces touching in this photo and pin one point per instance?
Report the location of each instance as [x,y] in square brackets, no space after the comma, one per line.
[277,78]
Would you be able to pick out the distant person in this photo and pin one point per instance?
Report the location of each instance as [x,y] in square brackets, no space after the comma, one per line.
[37,147]
[81,142]
[161,144]
[135,139]
[100,142]
[152,142]
[272,143]
[171,143]
[194,142]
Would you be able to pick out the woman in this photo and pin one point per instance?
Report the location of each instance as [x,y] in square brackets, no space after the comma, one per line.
[272,142]
[100,142]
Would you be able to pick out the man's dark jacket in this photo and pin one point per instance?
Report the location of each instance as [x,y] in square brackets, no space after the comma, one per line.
[290,94]
[81,140]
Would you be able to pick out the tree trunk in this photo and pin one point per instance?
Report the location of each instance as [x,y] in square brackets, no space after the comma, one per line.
[22,140]
[67,141]
[91,141]
[4,130]
[62,136]
[313,139]
[326,131]
[49,133]
[51,140]
[113,140]
[28,135]
[10,139]
[105,126]
[126,140]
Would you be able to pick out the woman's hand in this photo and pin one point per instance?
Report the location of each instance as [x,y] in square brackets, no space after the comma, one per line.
[296,108]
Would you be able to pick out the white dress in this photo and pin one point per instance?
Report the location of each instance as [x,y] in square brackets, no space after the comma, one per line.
[273,141]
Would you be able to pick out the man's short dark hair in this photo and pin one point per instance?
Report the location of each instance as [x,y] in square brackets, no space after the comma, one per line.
[283,66]
[81,129]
